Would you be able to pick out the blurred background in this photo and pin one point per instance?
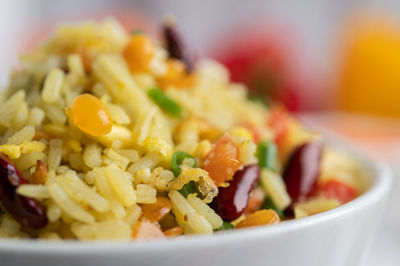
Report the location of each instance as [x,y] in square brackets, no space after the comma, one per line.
[334,64]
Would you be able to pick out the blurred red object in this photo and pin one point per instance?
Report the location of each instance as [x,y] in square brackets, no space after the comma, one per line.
[261,56]
[335,189]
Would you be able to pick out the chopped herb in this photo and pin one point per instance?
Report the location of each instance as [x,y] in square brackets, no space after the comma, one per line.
[269,204]
[165,103]
[177,160]
[266,154]
[225,226]
[188,189]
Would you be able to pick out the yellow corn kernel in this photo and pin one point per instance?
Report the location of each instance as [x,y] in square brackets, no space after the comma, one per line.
[90,115]
[138,53]
[241,132]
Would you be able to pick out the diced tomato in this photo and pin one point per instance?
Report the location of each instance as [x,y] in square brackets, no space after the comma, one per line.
[156,211]
[335,189]
[261,217]
[144,229]
[174,231]
[223,160]
[279,123]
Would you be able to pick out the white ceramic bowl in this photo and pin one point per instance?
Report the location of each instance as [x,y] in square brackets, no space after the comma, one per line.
[339,237]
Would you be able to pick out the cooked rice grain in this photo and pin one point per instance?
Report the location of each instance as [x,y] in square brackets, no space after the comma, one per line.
[25,134]
[52,86]
[33,191]
[145,194]
[105,189]
[204,210]
[70,207]
[29,160]
[121,184]
[80,192]
[113,157]
[75,65]
[36,116]
[133,214]
[10,108]
[111,229]
[148,161]
[55,153]
[53,211]
[187,216]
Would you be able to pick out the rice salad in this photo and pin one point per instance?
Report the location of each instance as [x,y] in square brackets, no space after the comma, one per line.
[107,134]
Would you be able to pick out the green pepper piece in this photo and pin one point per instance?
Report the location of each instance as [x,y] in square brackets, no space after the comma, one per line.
[188,189]
[165,103]
[177,160]
[266,154]
[225,226]
[269,204]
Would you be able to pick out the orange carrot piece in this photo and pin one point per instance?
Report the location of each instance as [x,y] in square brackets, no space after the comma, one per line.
[261,217]
[156,211]
[174,231]
[223,160]
[145,229]
[40,175]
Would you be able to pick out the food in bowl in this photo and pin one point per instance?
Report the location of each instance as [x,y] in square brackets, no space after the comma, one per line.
[111,135]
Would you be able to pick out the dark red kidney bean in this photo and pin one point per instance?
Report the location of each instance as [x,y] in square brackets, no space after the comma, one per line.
[174,44]
[302,170]
[27,211]
[231,201]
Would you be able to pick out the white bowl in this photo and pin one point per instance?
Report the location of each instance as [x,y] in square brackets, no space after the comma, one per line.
[339,237]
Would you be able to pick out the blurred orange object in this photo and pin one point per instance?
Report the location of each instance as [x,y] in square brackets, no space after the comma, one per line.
[176,75]
[138,53]
[370,72]
[261,217]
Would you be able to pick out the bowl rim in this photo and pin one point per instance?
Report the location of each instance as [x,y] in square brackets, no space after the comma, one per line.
[381,180]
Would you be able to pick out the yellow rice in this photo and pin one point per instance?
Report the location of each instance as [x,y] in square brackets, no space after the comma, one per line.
[96,186]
